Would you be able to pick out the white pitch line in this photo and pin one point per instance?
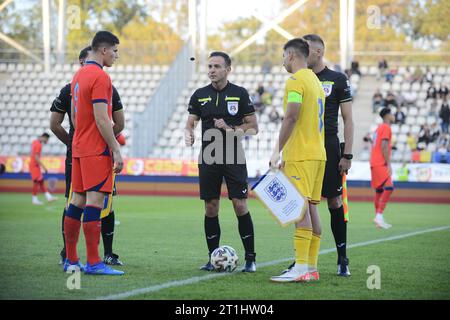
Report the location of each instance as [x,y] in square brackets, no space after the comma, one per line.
[197,279]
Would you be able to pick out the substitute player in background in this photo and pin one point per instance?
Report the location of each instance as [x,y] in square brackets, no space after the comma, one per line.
[302,141]
[61,106]
[35,169]
[225,110]
[94,149]
[380,166]
[338,95]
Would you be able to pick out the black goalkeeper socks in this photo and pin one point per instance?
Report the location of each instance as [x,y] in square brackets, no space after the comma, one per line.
[245,225]
[212,233]
[339,229]
[108,233]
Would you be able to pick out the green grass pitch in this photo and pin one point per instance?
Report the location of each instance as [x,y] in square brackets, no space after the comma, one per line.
[161,241]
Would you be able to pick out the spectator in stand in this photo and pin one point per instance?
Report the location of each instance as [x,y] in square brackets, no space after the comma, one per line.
[432,92]
[400,117]
[435,132]
[424,135]
[377,101]
[428,75]
[355,68]
[411,141]
[443,143]
[257,102]
[271,89]
[260,89]
[390,75]
[348,73]
[274,116]
[390,100]
[443,90]
[382,68]
[444,114]
[367,142]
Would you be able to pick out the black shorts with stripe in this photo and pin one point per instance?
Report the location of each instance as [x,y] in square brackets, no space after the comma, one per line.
[332,179]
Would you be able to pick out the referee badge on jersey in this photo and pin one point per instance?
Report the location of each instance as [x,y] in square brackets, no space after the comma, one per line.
[327,87]
[233,107]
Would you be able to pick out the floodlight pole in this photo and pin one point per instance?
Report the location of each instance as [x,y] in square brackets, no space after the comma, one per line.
[203,31]
[193,23]
[46,33]
[347,32]
[61,31]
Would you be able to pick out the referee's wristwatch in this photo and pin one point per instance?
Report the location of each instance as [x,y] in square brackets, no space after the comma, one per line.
[347,156]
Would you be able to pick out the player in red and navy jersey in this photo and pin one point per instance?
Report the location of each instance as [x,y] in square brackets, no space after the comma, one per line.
[61,106]
[96,154]
[380,166]
[35,169]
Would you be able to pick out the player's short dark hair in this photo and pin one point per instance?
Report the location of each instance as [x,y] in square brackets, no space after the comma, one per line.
[299,45]
[2,168]
[314,38]
[384,112]
[84,53]
[45,135]
[104,38]
[225,56]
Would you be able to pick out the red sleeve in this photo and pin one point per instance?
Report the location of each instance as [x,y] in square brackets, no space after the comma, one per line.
[385,133]
[100,89]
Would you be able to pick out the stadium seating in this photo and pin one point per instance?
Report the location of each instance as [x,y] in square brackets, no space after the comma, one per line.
[417,109]
[26,94]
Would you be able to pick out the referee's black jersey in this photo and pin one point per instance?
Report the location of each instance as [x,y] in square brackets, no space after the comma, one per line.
[337,90]
[231,104]
[61,104]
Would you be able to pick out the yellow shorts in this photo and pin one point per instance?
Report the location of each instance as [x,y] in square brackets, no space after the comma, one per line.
[307,177]
[107,201]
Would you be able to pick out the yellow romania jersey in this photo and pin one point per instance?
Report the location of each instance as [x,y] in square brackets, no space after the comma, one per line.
[307,139]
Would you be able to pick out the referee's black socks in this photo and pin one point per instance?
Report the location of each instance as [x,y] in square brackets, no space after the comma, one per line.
[245,225]
[212,233]
[108,233]
[339,229]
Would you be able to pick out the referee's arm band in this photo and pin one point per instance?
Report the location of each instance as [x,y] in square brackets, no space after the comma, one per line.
[294,97]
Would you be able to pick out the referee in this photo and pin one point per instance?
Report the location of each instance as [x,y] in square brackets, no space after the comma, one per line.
[60,106]
[338,94]
[227,114]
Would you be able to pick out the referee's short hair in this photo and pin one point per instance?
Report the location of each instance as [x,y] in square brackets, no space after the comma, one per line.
[299,45]
[84,53]
[102,38]
[225,56]
[314,38]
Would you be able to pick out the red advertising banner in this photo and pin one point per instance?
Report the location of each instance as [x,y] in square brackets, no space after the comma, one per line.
[132,166]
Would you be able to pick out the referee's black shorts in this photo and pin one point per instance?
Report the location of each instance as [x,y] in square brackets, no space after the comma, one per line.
[212,175]
[332,179]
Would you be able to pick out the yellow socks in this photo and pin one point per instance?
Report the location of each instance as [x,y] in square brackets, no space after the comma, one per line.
[302,243]
[314,252]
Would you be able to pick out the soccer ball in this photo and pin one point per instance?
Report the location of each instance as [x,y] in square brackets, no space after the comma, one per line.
[224,258]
